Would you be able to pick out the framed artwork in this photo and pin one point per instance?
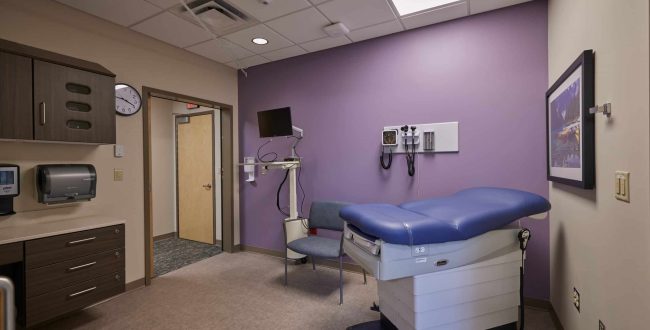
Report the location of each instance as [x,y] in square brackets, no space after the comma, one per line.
[570,144]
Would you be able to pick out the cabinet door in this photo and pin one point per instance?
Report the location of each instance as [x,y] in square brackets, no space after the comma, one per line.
[73,105]
[15,97]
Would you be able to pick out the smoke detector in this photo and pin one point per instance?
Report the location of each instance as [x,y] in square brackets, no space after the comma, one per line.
[336,30]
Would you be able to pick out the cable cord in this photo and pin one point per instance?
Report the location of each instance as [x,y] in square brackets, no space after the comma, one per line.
[390,158]
[277,195]
[410,157]
[272,153]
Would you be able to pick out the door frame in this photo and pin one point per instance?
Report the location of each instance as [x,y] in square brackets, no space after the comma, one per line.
[227,172]
[214,177]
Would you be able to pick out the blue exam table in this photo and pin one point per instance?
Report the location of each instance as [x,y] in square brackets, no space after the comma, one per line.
[444,263]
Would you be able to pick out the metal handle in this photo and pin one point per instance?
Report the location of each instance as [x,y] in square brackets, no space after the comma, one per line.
[7,288]
[42,112]
[71,269]
[81,241]
[207,186]
[72,295]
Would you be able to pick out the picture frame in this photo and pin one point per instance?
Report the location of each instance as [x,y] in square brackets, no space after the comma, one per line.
[570,131]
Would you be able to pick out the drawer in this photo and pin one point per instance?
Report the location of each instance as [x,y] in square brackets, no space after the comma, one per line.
[50,305]
[60,275]
[55,249]
[10,253]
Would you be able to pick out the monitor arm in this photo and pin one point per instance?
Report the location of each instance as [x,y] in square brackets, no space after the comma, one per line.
[298,138]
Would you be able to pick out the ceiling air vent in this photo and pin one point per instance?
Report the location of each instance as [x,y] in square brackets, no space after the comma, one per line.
[219,15]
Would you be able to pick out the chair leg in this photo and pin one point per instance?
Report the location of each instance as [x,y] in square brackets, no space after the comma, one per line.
[286,260]
[313,263]
[364,276]
[341,280]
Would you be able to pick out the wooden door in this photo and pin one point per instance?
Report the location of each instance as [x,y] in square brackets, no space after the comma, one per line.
[195,173]
[73,105]
[15,97]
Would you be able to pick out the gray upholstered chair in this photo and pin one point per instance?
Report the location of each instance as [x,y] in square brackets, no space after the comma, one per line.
[322,215]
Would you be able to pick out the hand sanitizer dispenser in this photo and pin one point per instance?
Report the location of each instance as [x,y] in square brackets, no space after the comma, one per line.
[9,187]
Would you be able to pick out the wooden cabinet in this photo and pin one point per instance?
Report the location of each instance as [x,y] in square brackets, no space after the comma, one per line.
[15,97]
[68,272]
[51,97]
[73,105]
[60,274]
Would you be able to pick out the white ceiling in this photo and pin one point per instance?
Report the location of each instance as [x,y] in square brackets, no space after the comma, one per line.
[293,27]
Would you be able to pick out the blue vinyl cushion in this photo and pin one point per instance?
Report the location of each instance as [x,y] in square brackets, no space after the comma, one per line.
[316,246]
[461,216]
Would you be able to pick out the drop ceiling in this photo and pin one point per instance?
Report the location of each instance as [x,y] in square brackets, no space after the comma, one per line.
[292,27]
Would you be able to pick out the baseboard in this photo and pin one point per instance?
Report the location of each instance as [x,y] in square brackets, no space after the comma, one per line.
[545,305]
[164,236]
[134,284]
[347,266]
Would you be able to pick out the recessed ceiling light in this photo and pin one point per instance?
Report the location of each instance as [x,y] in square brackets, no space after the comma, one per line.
[405,7]
[260,41]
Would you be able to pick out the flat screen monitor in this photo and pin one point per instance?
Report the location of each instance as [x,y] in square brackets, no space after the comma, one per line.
[276,122]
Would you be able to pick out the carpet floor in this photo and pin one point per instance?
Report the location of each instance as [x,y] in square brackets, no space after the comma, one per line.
[172,253]
[244,291]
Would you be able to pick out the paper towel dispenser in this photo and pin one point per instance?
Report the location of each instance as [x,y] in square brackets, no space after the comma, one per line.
[65,183]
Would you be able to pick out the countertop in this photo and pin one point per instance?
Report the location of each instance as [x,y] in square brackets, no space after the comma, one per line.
[32,225]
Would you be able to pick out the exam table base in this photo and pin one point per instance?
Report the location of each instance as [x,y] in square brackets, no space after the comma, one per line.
[385,324]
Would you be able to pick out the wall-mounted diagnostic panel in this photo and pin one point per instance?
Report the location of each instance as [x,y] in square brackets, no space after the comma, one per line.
[432,137]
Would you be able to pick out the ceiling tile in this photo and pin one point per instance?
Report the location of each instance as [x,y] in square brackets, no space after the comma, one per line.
[244,37]
[273,10]
[220,50]
[165,4]
[123,12]
[248,62]
[315,2]
[173,30]
[358,13]
[320,44]
[480,6]
[283,53]
[376,31]
[302,26]
[436,16]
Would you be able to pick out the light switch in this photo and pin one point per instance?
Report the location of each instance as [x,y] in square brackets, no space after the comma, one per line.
[118,174]
[119,150]
[622,186]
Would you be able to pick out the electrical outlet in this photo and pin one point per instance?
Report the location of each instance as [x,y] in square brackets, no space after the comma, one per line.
[601,325]
[576,299]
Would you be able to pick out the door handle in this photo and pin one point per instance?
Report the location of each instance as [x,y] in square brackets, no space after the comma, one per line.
[41,107]
[71,269]
[207,186]
[72,295]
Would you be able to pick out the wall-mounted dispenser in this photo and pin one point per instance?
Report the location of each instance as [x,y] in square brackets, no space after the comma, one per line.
[9,187]
[65,183]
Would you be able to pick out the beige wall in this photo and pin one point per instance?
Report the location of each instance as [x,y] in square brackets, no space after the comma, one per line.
[163,154]
[162,167]
[137,60]
[598,244]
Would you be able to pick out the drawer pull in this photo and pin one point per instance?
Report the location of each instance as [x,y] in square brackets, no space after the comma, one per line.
[72,295]
[41,108]
[82,241]
[72,269]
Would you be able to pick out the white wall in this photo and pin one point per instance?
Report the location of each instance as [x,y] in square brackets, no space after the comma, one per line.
[598,244]
[137,60]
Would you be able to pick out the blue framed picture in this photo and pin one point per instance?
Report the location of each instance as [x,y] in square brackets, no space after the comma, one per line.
[570,139]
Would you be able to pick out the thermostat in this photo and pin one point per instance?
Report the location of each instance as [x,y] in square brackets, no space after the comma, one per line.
[389,137]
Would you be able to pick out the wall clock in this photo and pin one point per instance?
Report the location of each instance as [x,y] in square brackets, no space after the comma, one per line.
[127,100]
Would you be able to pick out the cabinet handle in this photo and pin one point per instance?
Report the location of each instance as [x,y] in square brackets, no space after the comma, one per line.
[81,241]
[71,269]
[72,295]
[42,112]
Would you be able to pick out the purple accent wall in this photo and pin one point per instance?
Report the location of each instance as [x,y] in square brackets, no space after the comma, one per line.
[488,71]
